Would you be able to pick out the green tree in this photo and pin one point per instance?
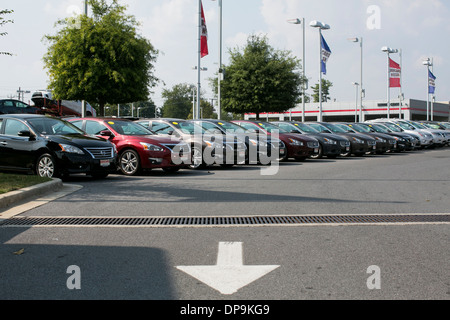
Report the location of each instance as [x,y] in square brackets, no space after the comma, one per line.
[177,101]
[3,21]
[326,85]
[101,59]
[206,111]
[260,79]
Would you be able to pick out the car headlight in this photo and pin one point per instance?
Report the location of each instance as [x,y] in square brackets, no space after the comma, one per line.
[260,144]
[358,140]
[330,141]
[151,147]
[295,142]
[70,149]
[381,140]
[215,145]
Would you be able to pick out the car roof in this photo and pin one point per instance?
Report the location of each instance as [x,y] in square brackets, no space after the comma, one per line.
[23,116]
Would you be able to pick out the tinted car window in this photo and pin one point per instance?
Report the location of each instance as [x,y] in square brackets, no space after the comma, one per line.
[13,127]
[51,126]
[1,122]
[93,127]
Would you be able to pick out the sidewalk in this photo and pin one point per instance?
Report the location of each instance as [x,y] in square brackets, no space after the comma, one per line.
[16,202]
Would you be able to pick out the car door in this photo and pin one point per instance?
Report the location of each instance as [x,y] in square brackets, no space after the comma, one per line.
[17,151]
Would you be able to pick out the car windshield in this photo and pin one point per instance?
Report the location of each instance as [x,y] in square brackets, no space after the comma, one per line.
[128,128]
[319,127]
[405,126]
[188,127]
[53,126]
[392,127]
[271,128]
[379,128]
[232,127]
[416,125]
[445,125]
[360,128]
[305,128]
[432,126]
[343,128]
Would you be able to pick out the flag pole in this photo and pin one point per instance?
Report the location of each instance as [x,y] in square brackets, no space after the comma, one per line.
[197,109]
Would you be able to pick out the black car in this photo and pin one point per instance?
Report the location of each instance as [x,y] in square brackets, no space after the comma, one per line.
[404,141]
[12,106]
[385,143]
[207,148]
[51,147]
[262,148]
[331,146]
[359,144]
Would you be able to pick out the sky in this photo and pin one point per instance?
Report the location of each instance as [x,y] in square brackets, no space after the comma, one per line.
[418,28]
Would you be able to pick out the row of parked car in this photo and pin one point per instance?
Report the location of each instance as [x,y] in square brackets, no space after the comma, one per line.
[55,147]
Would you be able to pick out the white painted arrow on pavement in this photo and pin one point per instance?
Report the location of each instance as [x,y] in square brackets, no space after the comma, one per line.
[229,275]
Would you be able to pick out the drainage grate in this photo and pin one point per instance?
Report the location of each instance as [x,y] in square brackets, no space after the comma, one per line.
[223,221]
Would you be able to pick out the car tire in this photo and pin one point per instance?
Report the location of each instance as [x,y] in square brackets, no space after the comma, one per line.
[129,162]
[197,159]
[46,166]
[319,155]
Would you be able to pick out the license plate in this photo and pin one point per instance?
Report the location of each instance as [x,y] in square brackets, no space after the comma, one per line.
[282,151]
[241,153]
[104,163]
[374,147]
[316,150]
[347,148]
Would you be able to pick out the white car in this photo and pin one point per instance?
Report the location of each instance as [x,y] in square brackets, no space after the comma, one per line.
[425,138]
[439,138]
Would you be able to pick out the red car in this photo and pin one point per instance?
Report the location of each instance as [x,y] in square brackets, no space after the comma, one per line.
[138,148]
[298,146]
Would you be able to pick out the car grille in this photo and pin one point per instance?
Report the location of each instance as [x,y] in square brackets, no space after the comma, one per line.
[276,144]
[181,148]
[392,141]
[371,143]
[313,144]
[345,143]
[101,153]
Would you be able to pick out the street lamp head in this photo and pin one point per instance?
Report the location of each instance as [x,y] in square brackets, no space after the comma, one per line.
[295,21]
[389,50]
[353,39]
[355,83]
[316,24]
[427,62]
[326,27]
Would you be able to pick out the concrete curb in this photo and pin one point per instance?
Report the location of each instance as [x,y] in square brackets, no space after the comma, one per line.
[13,197]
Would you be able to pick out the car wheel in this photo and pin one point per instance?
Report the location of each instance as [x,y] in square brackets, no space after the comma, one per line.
[171,169]
[197,158]
[129,162]
[45,166]
[318,155]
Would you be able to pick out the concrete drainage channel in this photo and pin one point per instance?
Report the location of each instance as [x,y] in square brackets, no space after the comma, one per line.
[237,221]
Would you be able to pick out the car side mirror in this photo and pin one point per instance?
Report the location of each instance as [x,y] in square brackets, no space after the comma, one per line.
[170,132]
[106,133]
[25,133]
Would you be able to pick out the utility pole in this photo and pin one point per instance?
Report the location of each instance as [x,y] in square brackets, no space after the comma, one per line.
[21,93]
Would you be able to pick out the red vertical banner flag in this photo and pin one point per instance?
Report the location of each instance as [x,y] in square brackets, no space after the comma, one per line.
[204,36]
[394,74]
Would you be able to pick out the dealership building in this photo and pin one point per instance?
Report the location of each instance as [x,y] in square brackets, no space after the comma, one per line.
[348,111]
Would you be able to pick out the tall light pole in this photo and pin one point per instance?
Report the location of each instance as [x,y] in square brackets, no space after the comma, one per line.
[304,81]
[388,51]
[360,40]
[220,73]
[428,63]
[356,84]
[83,102]
[321,26]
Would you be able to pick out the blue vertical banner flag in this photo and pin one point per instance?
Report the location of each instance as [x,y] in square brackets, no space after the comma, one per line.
[326,52]
[431,82]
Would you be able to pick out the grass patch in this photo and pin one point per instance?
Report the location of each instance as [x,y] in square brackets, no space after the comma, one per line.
[11,182]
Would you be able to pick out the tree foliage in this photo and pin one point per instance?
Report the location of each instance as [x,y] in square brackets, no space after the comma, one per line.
[4,21]
[177,101]
[100,58]
[326,86]
[260,79]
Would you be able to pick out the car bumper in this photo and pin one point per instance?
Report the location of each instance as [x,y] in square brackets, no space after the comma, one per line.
[74,163]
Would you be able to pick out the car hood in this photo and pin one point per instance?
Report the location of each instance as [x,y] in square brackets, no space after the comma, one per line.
[153,139]
[80,140]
